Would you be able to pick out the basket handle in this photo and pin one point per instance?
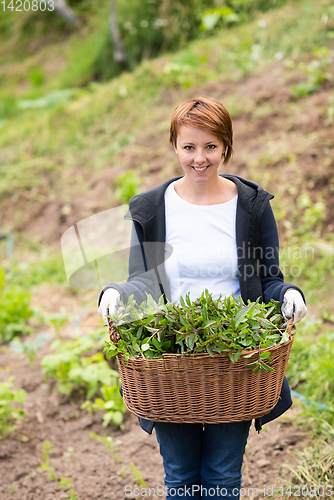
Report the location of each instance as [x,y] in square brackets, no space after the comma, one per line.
[290,325]
[113,333]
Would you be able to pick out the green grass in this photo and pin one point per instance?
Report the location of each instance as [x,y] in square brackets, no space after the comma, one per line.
[292,30]
[50,270]
[311,266]
[30,39]
[311,372]
[312,475]
[35,267]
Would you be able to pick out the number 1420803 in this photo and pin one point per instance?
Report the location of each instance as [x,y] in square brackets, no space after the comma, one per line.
[27,5]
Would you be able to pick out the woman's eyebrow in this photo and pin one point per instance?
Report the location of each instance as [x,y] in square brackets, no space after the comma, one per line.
[193,144]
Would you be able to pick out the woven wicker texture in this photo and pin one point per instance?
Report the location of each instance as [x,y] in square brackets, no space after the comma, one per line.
[202,389]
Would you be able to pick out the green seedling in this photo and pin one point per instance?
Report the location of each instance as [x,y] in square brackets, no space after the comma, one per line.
[30,347]
[8,413]
[46,449]
[137,476]
[58,320]
[74,369]
[51,474]
[65,484]
[45,464]
[107,441]
[111,403]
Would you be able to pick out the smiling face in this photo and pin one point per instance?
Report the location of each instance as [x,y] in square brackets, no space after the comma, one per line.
[200,154]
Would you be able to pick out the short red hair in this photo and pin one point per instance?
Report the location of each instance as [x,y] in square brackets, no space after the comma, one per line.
[206,114]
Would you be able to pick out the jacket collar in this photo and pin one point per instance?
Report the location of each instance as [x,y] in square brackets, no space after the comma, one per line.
[144,206]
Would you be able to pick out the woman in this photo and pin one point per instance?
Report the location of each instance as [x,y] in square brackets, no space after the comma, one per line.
[204,230]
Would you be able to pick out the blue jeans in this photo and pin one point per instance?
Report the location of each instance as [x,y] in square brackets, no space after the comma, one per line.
[202,461]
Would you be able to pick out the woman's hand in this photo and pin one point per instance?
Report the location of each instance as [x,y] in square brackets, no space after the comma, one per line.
[293,305]
[109,304]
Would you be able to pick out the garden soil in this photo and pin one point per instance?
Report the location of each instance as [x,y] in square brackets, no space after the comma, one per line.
[125,466]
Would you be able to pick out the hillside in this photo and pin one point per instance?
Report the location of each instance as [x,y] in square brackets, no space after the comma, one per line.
[60,162]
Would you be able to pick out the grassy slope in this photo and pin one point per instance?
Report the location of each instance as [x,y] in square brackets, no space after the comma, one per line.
[59,164]
[40,52]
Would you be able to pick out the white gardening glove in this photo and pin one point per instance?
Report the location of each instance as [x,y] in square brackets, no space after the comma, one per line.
[293,305]
[109,304]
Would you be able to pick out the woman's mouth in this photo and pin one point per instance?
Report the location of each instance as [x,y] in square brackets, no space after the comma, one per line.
[200,170]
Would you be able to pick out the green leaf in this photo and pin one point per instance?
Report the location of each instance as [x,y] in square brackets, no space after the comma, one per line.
[266,368]
[209,350]
[183,321]
[266,323]
[285,337]
[139,332]
[170,318]
[156,344]
[241,315]
[188,301]
[237,356]
[255,363]
[191,341]
[265,355]
[117,417]
[204,313]
[65,388]
[248,355]
[152,330]
[209,323]
[183,304]
[150,354]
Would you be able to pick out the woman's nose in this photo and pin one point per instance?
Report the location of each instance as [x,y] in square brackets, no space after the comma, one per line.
[199,156]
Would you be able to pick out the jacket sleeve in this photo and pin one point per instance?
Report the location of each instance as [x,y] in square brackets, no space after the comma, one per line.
[272,278]
[141,280]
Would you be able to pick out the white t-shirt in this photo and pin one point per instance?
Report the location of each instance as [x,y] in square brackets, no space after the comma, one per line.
[204,247]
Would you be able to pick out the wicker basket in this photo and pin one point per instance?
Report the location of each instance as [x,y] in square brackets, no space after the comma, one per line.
[202,389]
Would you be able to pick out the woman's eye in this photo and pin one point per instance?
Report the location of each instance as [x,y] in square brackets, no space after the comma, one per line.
[188,148]
[212,146]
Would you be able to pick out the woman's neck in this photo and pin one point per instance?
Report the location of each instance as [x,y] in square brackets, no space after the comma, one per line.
[218,190]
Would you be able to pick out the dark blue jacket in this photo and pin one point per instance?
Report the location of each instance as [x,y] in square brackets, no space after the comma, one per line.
[257,249]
